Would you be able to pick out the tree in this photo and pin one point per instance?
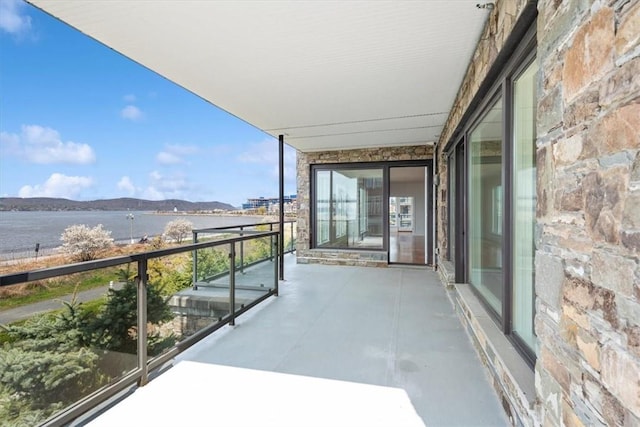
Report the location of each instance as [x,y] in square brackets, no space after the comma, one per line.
[178,229]
[84,243]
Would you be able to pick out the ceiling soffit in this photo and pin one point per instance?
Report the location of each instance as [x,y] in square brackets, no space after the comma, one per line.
[327,75]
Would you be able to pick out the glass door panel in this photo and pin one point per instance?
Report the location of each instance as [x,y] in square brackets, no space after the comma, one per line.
[486,204]
[524,202]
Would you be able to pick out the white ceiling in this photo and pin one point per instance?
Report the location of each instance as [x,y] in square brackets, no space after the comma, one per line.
[326,74]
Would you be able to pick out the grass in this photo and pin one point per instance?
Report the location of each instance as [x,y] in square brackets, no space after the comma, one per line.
[29,293]
[32,292]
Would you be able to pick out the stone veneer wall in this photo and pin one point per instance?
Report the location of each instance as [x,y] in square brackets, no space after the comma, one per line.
[588,212]
[304,162]
[494,36]
[588,205]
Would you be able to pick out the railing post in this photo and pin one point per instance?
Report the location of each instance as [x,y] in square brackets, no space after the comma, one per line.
[292,245]
[271,247]
[281,205]
[195,262]
[232,284]
[141,282]
[276,265]
[241,252]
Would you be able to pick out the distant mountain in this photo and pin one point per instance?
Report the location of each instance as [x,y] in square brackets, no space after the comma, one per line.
[121,204]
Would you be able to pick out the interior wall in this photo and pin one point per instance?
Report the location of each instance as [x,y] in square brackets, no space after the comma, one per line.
[417,191]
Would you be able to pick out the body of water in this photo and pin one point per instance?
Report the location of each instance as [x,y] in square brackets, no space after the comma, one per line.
[20,231]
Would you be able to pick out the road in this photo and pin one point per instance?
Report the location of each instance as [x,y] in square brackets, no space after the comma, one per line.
[26,311]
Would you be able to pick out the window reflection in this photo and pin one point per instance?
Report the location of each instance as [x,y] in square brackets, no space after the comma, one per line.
[349,208]
[486,207]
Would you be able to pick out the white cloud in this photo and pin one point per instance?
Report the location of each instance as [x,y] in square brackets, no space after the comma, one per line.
[131,112]
[127,186]
[166,187]
[174,153]
[151,193]
[129,98]
[57,185]
[166,158]
[43,145]
[12,19]
[181,150]
[265,153]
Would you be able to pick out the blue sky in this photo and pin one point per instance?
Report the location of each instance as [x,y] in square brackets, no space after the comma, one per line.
[80,121]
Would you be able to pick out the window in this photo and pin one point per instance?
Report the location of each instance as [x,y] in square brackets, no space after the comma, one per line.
[485,207]
[348,208]
[524,202]
[493,237]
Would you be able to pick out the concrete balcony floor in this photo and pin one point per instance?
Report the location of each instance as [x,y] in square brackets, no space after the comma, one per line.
[391,327]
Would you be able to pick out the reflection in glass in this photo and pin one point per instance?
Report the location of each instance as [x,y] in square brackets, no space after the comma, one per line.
[348,208]
[486,207]
[524,201]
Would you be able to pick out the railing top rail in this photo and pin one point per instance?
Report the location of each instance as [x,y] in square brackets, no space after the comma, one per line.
[47,273]
[253,224]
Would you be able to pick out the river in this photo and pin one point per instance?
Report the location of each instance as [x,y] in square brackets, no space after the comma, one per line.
[20,231]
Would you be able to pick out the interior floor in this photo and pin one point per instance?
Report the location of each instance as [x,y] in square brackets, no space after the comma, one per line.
[406,248]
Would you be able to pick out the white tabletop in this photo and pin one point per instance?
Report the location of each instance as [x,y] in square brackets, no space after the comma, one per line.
[199,394]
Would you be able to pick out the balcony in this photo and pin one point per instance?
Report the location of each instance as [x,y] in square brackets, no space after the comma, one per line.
[391,327]
[351,345]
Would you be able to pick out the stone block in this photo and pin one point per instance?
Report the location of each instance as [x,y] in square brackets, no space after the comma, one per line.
[621,86]
[570,199]
[613,272]
[633,339]
[557,16]
[627,34]
[544,181]
[550,395]
[621,375]
[618,130]
[594,198]
[550,111]
[631,214]
[584,108]
[628,311]
[549,279]
[631,240]
[587,297]
[590,55]
[555,368]
[577,315]
[570,418]
[567,151]
[590,349]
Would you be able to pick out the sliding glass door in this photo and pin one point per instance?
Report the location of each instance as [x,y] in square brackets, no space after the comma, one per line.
[348,208]
[524,202]
[486,207]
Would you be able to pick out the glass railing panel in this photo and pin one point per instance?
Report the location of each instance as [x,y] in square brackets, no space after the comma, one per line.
[257,277]
[196,305]
[57,350]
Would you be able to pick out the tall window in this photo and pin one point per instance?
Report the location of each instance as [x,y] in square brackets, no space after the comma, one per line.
[486,207]
[348,208]
[493,236]
[524,201]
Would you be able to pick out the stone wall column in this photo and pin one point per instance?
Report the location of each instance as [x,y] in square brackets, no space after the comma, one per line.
[588,212]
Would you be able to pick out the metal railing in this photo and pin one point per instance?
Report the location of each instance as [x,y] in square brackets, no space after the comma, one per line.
[145,362]
[246,229]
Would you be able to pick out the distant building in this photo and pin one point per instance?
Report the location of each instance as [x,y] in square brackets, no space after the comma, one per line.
[271,204]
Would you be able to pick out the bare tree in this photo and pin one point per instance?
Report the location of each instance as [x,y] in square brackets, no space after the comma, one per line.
[178,230]
[84,243]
